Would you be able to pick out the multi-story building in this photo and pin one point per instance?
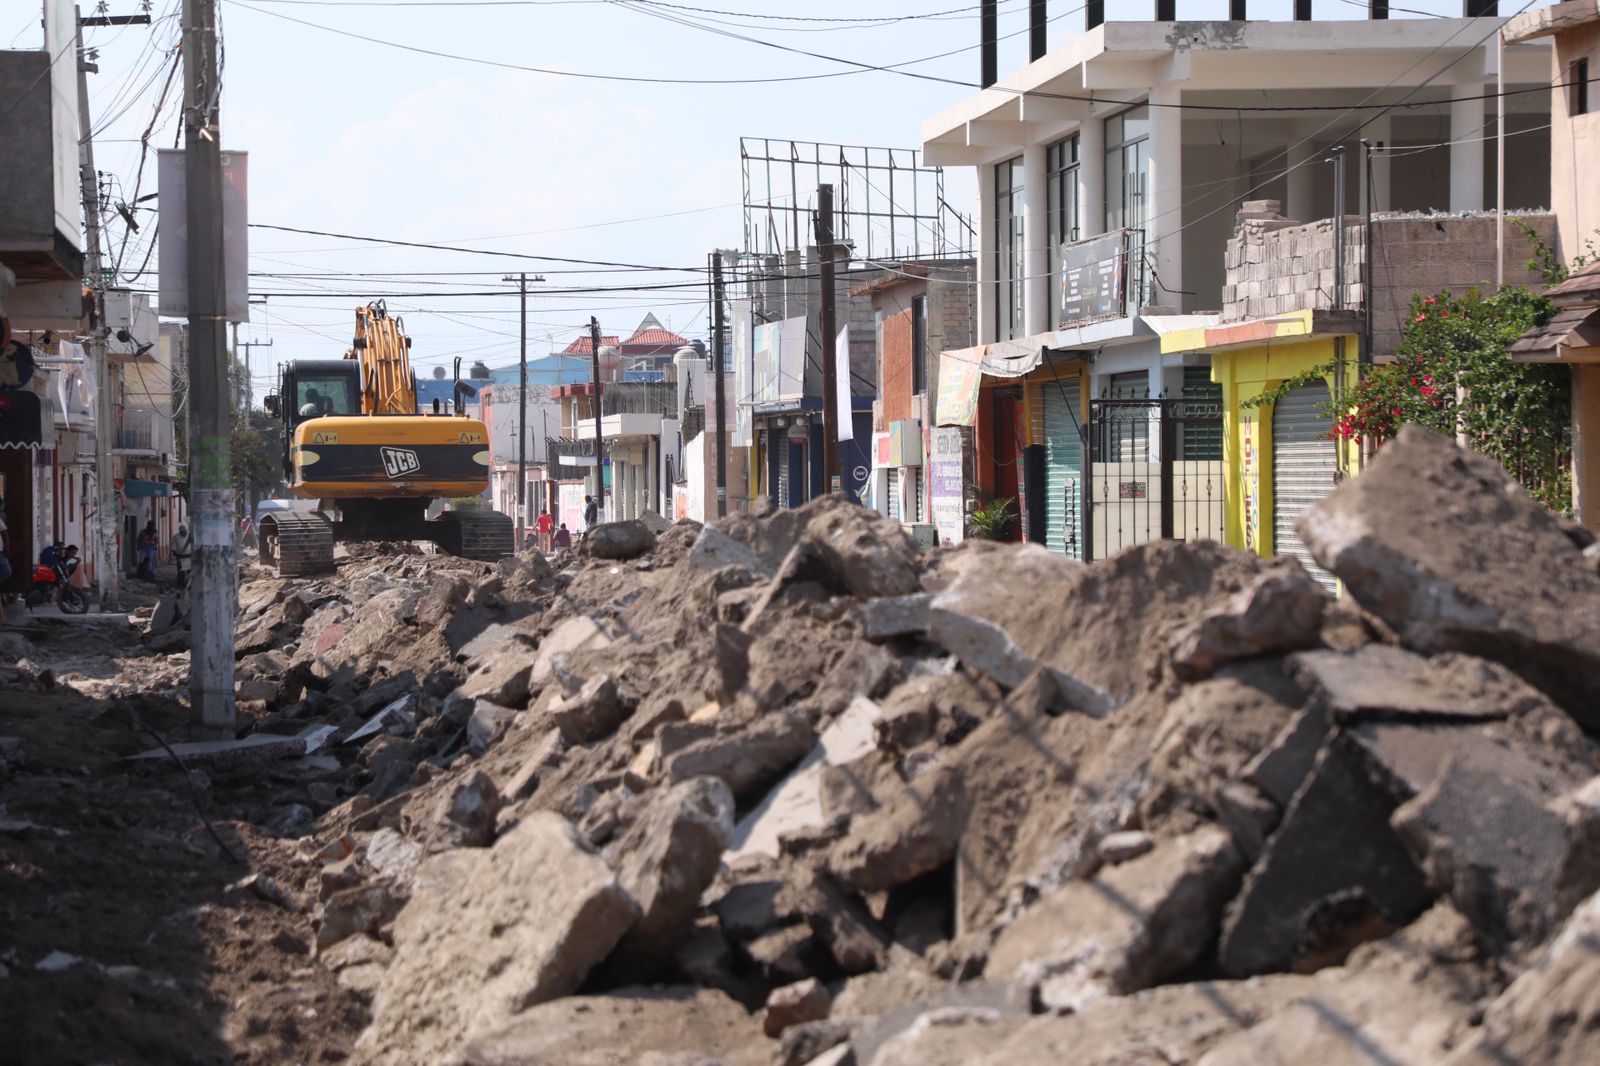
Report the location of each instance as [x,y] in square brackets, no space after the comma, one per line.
[1110,171]
[1573,336]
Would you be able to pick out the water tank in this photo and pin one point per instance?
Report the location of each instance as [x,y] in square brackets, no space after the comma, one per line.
[610,363]
[479,371]
[439,373]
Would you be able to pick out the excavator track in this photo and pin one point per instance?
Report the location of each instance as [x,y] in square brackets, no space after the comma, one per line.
[297,544]
[485,535]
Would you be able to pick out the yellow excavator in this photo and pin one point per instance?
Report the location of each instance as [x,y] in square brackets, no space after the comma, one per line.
[355,441]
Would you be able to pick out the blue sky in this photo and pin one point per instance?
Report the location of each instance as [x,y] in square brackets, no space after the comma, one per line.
[352,136]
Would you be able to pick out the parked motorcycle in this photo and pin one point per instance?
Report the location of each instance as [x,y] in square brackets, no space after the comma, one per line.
[50,584]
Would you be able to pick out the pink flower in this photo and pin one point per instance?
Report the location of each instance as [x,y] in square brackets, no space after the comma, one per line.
[1419,318]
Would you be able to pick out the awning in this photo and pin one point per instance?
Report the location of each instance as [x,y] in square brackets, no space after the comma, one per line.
[962,370]
[133,487]
[22,421]
[1571,336]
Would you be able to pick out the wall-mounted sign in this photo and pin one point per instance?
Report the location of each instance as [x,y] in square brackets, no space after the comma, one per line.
[1091,278]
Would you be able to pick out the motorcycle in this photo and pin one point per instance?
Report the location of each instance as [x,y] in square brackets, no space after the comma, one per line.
[50,584]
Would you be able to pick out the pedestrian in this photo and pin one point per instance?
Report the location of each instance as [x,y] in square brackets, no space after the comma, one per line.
[247,532]
[563,538]
[148,540]
[49,556]
[545,524]
[182,547]
[591,512]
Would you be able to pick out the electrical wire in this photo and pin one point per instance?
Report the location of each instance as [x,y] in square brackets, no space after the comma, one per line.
[469,251]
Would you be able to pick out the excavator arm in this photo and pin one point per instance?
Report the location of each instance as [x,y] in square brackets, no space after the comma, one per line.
[388,386]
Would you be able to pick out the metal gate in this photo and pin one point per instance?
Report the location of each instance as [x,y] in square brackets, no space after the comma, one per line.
[1063,469]
[1304,468]
[1141,483]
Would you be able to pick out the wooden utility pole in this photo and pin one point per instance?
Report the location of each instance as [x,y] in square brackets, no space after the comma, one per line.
[212,596]
[599,448]
[830,341]
[719,361]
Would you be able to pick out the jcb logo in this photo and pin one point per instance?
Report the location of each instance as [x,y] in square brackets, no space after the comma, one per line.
[398,462]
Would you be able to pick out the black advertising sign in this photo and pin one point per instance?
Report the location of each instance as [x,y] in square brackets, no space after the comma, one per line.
[1091,278]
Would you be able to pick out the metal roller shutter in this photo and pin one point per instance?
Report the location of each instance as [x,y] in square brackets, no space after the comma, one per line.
[1063,468]
[893,492]
[783,483]
[1304,465]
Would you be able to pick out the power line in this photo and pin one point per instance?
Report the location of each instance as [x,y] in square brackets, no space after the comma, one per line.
[468,251]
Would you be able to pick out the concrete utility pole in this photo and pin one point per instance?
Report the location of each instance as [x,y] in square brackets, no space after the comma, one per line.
[103,549]
[522,409]
[212,596]
[594,355]
[248,392]
[830,342]
[719,360]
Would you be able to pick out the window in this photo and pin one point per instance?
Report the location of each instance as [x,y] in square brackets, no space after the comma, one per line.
[325,396]
[1127,194]
[919,345]
[1010,271]
[1061,165]
[1579,89]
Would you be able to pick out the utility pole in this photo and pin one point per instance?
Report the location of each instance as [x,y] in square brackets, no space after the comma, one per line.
[599,474]
[249,389]
[522,409]
[212,596]
[830,342]
[719,360]
[105,561]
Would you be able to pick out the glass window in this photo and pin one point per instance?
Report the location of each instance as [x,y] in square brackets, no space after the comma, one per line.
[1061,165]
[325,396]
[1010,269]
[1580,87]
[1127,193]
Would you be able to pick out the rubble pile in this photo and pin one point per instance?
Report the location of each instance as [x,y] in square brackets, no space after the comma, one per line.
[785,789]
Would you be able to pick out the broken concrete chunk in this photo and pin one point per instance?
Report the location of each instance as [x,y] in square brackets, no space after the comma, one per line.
[748,760]
[1449,551]
[994,999]
[500,676]
[253,748]
[466,817]
[1334,838]
[495,636]
[490,932]
[665,861]
[619,540]
[575,634]
[915,832]
[592,714]
[899,616]
[790,1005]
[1129,928]
[1379,681]
[649,1026]
[488,721]
[1118,848]
[1279,610]
[713,549]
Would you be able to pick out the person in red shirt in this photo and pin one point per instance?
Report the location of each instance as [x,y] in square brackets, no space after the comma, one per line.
[544,523]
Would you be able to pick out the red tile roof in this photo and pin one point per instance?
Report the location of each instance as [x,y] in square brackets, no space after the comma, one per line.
[581,346]
[655,338]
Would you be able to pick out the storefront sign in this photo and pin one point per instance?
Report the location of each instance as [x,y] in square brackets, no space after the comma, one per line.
[743,374]
[960,373]
[1250,473]
[569,496]
[1091,278]
[946,490]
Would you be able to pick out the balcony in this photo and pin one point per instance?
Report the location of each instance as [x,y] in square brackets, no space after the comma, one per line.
[144,432]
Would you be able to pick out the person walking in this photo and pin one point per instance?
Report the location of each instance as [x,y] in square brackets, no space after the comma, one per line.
[545,524]
[591,512]
[247,532]
[182,548]
[148,540]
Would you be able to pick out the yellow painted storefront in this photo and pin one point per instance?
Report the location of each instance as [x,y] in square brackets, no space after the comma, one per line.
[1247,360]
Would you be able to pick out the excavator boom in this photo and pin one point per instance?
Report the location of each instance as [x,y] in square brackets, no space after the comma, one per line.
[388,387]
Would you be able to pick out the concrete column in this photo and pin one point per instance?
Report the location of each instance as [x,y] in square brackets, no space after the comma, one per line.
[1380,132]
[1467,131]
[1164,197]
[1586,445]
[1092,177]
[1035,240]
[1302,181]
[983,219]
[652,475]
